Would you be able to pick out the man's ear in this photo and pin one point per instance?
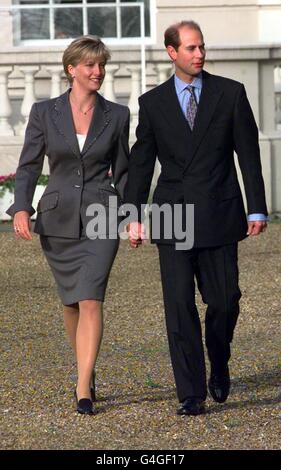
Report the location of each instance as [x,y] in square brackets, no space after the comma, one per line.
[172,52]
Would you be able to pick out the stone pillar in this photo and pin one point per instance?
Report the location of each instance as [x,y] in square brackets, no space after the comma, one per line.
[109,92]
[277,83]
[278,110]
[163,72]
[55,72]
[267,97]
[5,105]
[29,94]
[266,162]
[268,125]
[135,71]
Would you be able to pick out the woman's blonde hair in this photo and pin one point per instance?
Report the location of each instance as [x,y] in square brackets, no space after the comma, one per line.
[81,49]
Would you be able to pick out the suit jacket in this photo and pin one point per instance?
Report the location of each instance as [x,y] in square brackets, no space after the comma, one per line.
[197,167]
[77,179]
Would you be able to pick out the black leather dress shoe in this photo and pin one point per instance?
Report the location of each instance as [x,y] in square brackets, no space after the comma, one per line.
[191,407]
[219,385]
[84,406]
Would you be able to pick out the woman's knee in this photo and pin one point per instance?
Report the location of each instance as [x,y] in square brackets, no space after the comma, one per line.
[90,306]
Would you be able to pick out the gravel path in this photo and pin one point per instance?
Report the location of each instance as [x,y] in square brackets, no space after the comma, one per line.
[137,399]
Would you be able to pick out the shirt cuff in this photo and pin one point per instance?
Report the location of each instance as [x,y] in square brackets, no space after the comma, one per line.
[260,217]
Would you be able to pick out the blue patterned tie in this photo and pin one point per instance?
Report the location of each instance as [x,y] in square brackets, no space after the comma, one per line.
[191,107]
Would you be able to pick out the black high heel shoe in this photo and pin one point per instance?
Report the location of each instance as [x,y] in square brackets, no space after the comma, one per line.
[93,388]
[84,406]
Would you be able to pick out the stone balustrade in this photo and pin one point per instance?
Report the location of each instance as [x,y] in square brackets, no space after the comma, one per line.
[5,109]
[29,76]
[41,81]
[57,84]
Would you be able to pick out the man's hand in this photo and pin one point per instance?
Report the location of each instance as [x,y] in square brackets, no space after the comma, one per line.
[22,225]
[255,227]
[136,234]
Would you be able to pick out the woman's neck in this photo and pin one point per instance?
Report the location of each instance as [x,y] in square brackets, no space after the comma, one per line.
[82,100]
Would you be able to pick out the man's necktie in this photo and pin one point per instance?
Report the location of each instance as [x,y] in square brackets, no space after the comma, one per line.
[191,107]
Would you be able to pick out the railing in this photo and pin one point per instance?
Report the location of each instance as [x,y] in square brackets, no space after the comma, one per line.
[27,76]
[277,82]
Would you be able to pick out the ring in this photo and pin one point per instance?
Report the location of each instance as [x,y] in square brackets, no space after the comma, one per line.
[17,229]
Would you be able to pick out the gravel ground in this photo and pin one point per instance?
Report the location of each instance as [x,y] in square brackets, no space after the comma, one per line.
[137,399]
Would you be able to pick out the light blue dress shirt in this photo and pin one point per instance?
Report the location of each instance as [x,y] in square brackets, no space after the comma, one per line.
[183,97]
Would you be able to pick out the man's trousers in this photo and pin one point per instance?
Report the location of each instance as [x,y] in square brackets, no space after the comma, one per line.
[216,272]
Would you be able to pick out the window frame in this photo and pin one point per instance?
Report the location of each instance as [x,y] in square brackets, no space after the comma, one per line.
[51,5]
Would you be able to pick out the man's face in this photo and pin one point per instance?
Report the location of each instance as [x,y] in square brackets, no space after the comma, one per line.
[190,57]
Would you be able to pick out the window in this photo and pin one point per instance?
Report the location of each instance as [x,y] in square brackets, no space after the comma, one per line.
[38,21]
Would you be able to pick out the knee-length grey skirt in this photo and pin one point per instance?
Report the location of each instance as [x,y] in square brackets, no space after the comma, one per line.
[81,268]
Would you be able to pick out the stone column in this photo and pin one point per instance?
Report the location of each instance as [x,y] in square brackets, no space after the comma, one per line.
[266,162]
[55,72]
[267,97]
[5,105]
[109,92]
[163,72]
[29,94]
[268,125]
[135,71]
[277,84]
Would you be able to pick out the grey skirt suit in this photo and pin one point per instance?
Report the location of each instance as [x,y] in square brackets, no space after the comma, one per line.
[78,178]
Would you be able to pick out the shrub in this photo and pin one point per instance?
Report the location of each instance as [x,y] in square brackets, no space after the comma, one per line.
[7,182]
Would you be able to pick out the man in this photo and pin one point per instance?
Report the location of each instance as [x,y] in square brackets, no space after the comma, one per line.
[194,122]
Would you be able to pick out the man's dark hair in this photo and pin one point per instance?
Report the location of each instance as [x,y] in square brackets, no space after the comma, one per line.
[172,34]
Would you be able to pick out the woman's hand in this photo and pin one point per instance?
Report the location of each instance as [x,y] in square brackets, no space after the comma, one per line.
[136,233]
[22,225]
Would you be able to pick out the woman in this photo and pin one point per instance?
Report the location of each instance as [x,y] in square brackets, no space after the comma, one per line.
[86,140]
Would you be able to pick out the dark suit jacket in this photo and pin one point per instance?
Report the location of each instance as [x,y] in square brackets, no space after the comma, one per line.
[198,167]
[76,179]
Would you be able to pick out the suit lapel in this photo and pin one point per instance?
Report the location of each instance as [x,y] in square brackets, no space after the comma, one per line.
[171,109]
[209,99]
[100,120]
[62,117]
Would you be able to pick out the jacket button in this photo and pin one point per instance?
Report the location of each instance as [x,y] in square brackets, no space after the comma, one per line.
[77,186]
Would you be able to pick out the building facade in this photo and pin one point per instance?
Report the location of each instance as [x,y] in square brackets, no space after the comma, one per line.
[243,40]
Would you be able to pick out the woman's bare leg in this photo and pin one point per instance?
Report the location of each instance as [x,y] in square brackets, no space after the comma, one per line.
[88,340]
[71,318]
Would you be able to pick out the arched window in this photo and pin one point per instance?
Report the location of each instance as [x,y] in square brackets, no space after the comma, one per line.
[56,21]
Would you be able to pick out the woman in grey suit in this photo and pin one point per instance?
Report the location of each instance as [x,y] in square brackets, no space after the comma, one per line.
[85,138]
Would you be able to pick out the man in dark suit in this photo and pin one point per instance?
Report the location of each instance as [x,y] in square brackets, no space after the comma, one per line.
[193,123]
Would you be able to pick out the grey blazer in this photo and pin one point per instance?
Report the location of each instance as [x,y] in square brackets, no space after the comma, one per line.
[76,179]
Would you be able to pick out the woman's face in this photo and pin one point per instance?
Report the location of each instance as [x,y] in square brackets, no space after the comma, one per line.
[88,74]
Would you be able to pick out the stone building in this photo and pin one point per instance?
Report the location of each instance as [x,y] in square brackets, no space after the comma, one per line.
[243,40]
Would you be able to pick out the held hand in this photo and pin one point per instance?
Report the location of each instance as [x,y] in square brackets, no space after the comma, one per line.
[256,227]
[136,234]
[22,225]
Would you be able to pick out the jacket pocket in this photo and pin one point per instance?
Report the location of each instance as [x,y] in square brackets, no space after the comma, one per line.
[48,202]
